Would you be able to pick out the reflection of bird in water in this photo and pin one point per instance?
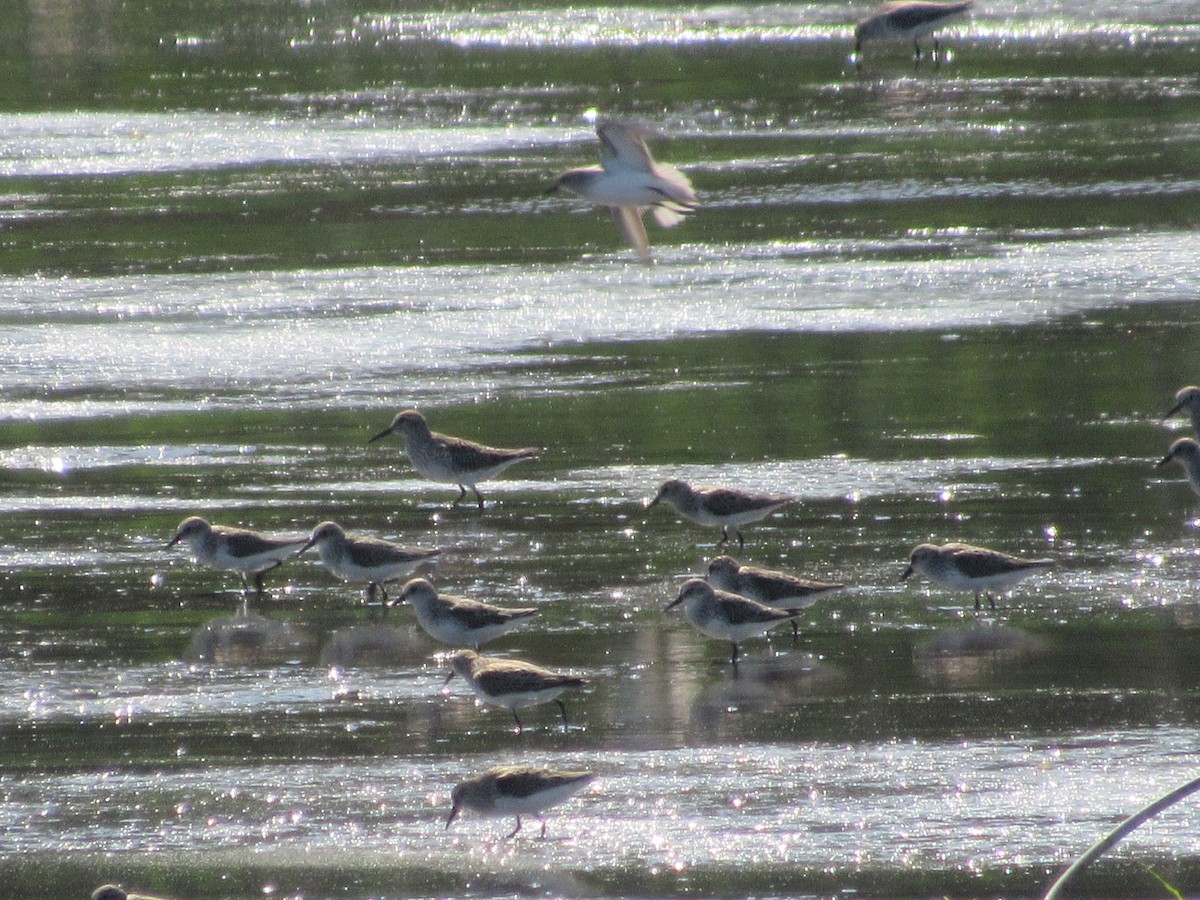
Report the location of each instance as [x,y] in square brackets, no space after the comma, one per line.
[628,181]
[777,589]
[247,640]
[238,550]
[907,19]
[1186,452]
[1187,398]
[366,559]
[725,616]
[976,569]
[516,791]
[972,655]
[372,645]
[512,683]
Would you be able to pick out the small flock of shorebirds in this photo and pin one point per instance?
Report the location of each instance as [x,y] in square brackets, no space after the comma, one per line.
[732,603]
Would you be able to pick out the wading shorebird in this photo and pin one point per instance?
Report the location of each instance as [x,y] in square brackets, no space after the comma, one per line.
[512,683]
[113,892]
[907,20]
[962,567]
[450,460]
[1186,452]
[458,621]
[1187,398]
[516,791]
[777,589]
[628,181]
[366,559]
[238,550]
[725,616]
[727,507]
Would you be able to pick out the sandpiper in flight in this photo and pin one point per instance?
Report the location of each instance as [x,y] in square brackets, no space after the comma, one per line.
[628,181]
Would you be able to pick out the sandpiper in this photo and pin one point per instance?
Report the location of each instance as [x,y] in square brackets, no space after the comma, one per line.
[457,620]
[234,549]
[777,589]
[628,180]
[512,683]
[1186,452]
[516,791]
[366,559]
[1187,398]
[725,616]
[976,569]
[907,19]
[451,460]
[113,892]
[727,507]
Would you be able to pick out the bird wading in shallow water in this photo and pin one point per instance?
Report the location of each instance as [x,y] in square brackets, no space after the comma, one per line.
[238,550]
[727,617]
[511,683]
[726,507]
[963,567]
[366,559]
[516,791]
[1187,398]
[450,460]
[458,621]
[777,589]
[907,20]
[1186,452]
[628,181]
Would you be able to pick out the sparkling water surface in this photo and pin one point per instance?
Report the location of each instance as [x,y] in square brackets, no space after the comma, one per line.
[931,304]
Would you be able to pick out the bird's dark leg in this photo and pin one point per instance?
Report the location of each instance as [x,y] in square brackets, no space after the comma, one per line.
[462,492]
[258,582]
[383,599]
[724,537]
[513,833]
[795,632]
[741,540]
[563,707]
[858,56]
[734,658]
[477,494]
[517,719]
[990,599]
[245,583]
[543,828]
[917,52]
[977,604]
[937,59]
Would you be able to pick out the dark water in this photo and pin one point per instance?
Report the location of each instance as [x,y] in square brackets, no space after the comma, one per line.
[931,304]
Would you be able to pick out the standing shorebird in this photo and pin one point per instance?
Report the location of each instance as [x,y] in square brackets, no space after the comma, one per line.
[450,460]
[458,621]
[511,683]
[907,20]
[726,507]
[1186,452]
[113,892]
[365,559]
[628,181]
[725,616]
[777,589]
[516,791]
[238,550]
[1187,398]
[962,567]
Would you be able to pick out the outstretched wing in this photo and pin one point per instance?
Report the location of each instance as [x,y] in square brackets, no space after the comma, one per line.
[623,146]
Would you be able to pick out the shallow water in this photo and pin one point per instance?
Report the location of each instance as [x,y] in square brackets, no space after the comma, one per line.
[931,304]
